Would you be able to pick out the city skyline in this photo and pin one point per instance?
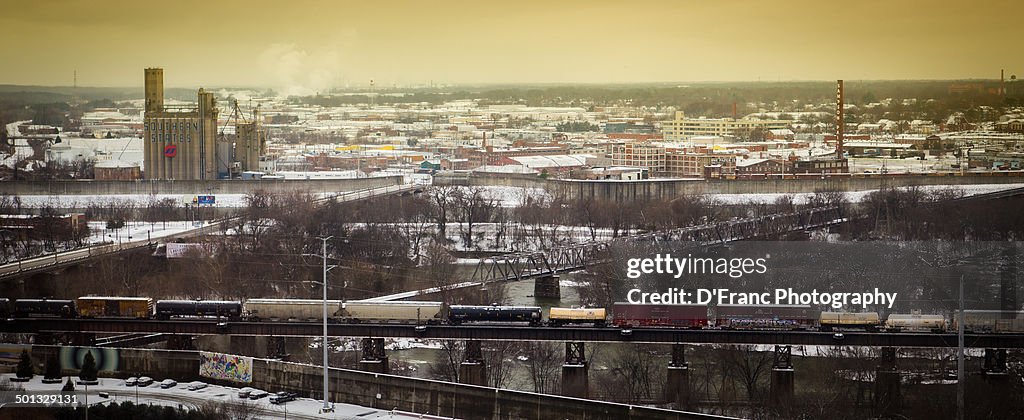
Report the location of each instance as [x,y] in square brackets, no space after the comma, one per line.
[307,46]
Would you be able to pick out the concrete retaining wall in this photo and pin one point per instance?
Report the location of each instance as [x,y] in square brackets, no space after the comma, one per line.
[669,189]
[223,186]
[443,398]
[378,390]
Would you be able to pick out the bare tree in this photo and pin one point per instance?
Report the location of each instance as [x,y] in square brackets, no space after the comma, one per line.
[636,373]
[498,356]
[543,362]
[447,361]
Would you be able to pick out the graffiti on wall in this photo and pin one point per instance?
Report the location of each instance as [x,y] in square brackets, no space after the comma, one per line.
[225,367]
[107,360]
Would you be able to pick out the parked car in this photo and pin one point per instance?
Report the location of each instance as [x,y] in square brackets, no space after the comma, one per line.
[145,381]
[282,397]
[257,394]
[133,381]
[244,392]
[195,386]
[168,383]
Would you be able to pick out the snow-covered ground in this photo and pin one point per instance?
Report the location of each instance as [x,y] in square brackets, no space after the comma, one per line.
[139,200]
[303,408]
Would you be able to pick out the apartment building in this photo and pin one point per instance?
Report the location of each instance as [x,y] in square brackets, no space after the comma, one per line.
[698,165]
[639,155]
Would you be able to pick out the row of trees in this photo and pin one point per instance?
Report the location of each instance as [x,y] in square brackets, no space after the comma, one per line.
[53,371]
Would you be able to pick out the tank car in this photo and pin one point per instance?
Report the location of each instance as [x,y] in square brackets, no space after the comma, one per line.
[458,314]
[563,316]
[869,321]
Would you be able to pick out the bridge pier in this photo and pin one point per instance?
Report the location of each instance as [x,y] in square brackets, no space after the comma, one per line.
[782,378]
[374,359]
[575,380]
[995,367]
[276,347]
[888,400]
[45,338]
[246,345]
[473,370]
[547,287]
[180,342]
[677,389]
[83,339]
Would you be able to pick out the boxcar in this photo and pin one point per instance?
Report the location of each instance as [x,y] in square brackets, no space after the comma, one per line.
[765,317]
[406,312]
[457,314]
[291,309]
[114,307]
[231,309]
[562,316]
[900,322]
[867,320]
[45,308]
[991,321]
[688,316]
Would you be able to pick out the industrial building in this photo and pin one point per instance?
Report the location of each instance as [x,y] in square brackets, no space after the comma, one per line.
[683,128]
[182,141]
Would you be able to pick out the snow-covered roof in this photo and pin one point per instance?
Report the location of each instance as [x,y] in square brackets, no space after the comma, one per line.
[742,163]
[506,169]
[871,144]
[553,161]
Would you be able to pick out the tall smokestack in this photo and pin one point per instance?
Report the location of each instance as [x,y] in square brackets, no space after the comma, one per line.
[840,125]
[734,110]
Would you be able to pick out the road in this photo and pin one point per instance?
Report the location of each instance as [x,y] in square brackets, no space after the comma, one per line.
[66,258]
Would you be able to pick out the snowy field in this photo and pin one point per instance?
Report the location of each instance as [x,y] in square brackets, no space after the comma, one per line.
[135,231]
[302,408]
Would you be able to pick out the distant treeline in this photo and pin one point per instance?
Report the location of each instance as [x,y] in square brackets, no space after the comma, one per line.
[695,98]
[26,95]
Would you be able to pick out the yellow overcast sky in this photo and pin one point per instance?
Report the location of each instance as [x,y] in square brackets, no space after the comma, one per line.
[312,45]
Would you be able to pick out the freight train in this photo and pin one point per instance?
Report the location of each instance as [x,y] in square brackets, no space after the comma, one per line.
[622,315]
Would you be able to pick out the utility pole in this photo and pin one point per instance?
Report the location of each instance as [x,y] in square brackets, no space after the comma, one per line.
[960,355]
[326,408]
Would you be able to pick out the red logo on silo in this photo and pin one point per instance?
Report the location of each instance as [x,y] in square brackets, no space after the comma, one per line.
[170,150]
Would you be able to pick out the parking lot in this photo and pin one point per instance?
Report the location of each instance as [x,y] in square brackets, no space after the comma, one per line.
[179,395]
